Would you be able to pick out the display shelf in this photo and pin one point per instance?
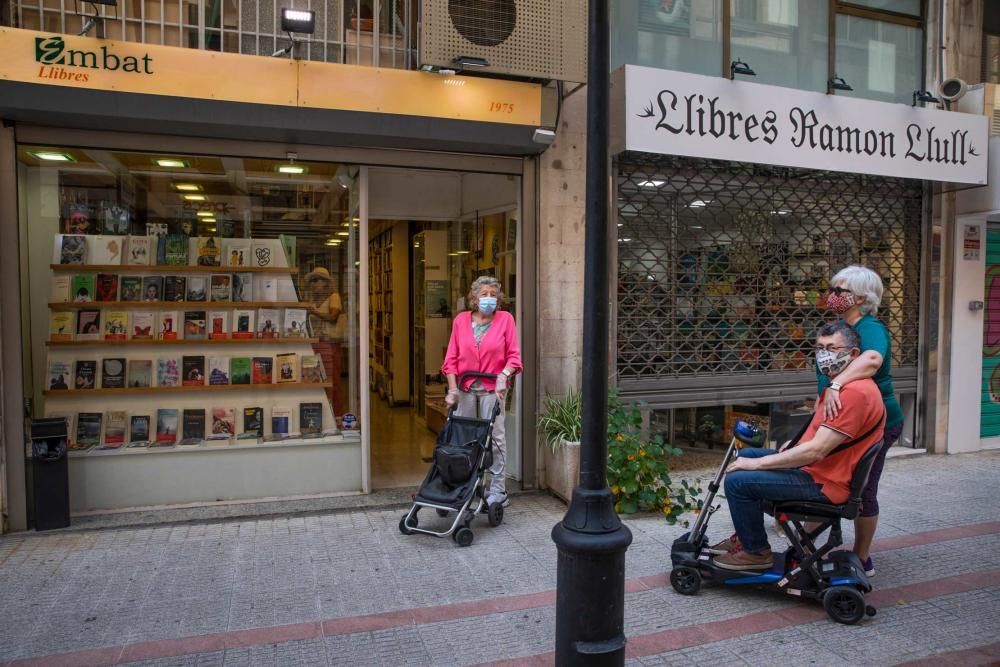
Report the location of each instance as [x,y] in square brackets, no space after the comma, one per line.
[346,437]
[180,305]
[181,341]
[171,268]
[183,389]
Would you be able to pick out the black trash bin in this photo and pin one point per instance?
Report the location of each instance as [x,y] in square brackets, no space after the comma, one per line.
[50,472]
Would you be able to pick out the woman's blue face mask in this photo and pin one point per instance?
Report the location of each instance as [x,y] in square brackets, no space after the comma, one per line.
[487,304]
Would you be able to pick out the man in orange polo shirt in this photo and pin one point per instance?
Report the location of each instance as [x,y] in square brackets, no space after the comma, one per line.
[810,471]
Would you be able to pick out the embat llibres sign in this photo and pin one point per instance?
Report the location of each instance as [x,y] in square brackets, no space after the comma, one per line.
[55,58]
[686,114]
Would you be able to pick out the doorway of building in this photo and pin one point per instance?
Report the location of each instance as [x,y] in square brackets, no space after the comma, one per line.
[430,234]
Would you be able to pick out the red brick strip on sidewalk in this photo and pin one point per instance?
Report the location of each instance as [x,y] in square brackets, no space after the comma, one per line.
[970,657]
[656,642]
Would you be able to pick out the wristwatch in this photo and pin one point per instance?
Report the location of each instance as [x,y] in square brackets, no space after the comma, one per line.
[506,373]
[835,386]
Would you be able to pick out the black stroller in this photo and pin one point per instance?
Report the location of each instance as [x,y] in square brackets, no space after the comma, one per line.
[456,480]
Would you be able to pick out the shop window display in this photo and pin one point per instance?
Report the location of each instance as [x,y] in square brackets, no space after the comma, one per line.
[170,307]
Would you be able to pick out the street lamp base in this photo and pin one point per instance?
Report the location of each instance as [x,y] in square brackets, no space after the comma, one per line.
[590,593]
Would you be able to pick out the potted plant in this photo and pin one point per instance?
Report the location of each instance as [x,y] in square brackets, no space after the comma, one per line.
[560,422]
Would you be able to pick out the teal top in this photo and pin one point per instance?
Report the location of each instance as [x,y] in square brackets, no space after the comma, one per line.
[479,330]
[874,336]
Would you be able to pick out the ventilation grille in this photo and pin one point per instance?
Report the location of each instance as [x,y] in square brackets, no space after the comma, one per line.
[995,124]
[538,39]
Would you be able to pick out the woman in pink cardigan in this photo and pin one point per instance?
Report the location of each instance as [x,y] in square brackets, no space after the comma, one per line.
[484,340]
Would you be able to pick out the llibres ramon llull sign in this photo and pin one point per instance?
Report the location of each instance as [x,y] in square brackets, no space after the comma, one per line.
[686,114]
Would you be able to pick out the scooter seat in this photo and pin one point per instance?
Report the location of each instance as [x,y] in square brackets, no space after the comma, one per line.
[822,510]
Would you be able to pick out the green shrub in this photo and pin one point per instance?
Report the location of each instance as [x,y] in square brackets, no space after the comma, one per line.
[560,419]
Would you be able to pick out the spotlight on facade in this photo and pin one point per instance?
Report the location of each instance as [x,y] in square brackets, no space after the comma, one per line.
[298,20]
[838,83]
[543,136]
[741,68]
[924,96]
[469,61]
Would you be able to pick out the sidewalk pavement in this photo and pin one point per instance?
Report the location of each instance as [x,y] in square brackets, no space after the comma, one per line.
[348,589]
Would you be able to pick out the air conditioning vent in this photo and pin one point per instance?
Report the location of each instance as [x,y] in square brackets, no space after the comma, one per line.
[995,124]
[538,39]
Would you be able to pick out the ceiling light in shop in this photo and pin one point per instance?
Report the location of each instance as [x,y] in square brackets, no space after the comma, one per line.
[697,227]
[171,163]
[621,224]
[781,211]
[205,214]
[700,203]
[187,187]
[211,229]
[291,169]
[651,183]
[194,197]
[461,252]
[343,233]
[52,156]
[624,240]
[208,220]
[453,254]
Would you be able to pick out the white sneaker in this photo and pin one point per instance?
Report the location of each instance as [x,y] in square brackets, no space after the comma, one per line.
[503,499]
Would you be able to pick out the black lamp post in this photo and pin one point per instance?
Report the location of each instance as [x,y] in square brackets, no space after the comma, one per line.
[590,588]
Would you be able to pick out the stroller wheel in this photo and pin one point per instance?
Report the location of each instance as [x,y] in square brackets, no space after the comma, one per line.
[495,514]
[404,528]
[442,513]
[844,604]
[463,537]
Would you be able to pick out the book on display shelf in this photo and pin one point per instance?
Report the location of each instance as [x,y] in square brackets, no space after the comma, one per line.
[157,230]
[268,323]
[194,370]
[193,426]
[130,288]
[242,287]
[263,370]
[85,374]
[138,431]
[114,430]
[287,365]
[209,251]
[139,250]
[221,287]
[168,372]
[59,375]
[265,287]
[107,287]
[88,325]
[281,421]
[102,249]
[61,289]
[218,370]
[61,325]
[289,245]
[223,424]
[197,288]
[168,325]
[116,220]
[312,369]
[140,373]
[88,430]
[73,249]
[296,323]
[143,324]
[243,324]
[176,247]
[116,325]
[152,288]
[174,288]
[83,287]
[194,325]
[239,255]
[261,254]
[113,373]
[310,419]
[166,426]
[218,324]
[253,424]
[240,370]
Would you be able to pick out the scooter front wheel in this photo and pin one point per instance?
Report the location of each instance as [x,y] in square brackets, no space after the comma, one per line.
[844,604]
[685,580]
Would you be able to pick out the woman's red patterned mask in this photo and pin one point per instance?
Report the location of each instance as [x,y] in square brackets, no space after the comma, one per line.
[840,303]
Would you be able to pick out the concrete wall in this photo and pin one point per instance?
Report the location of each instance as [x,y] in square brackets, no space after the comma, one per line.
[560,251]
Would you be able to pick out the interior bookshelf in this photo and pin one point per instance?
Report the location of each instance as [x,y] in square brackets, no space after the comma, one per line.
[181,341]
[105,391]
[169,268]
[180,305]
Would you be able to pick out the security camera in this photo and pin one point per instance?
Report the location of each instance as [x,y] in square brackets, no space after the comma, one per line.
[544,137]
[952,90]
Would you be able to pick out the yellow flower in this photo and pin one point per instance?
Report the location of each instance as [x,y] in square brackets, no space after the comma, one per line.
[642,452]
[631,457]
[619,437]
[667,510]
[615,489]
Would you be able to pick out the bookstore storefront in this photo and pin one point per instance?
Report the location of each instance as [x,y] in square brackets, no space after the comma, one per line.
[736,203]
[194,275]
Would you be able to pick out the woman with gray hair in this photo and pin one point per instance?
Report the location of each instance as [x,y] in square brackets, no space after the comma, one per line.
[855,295]
[484,340]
